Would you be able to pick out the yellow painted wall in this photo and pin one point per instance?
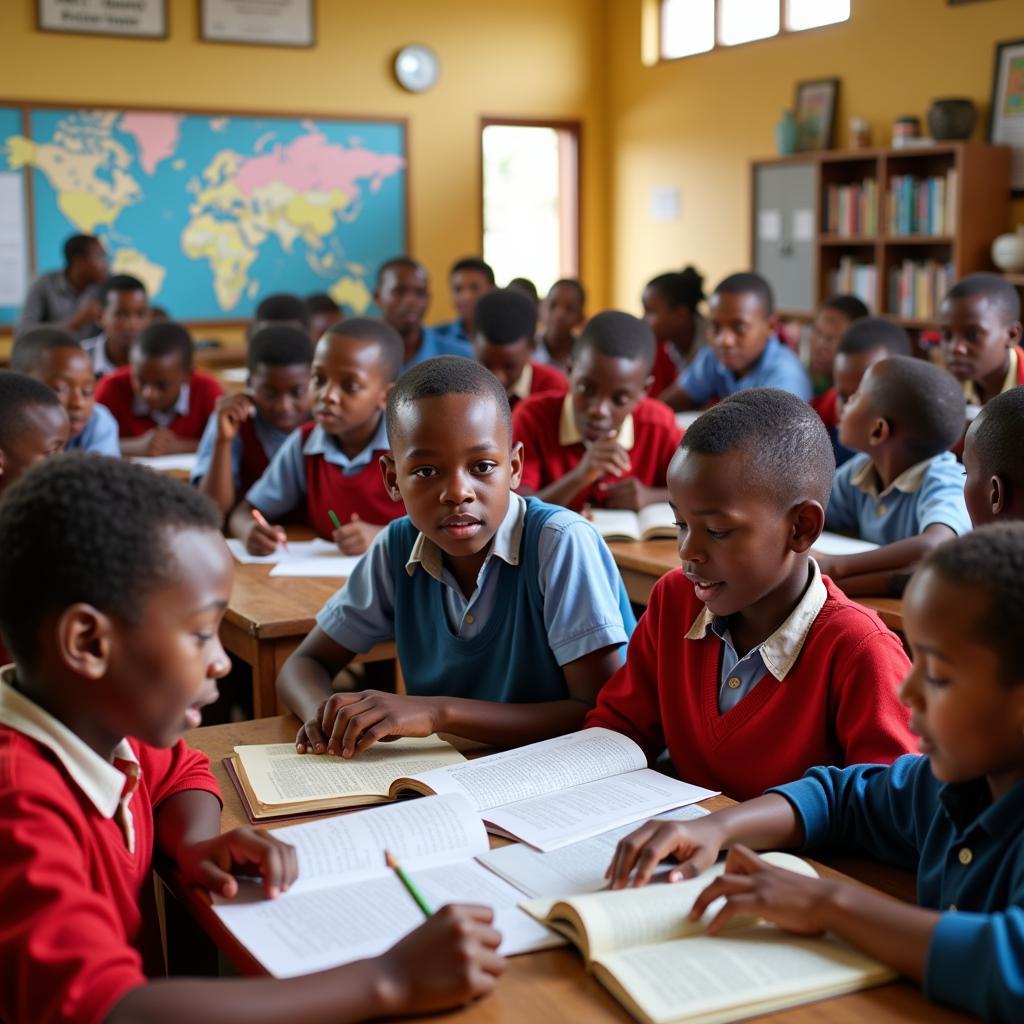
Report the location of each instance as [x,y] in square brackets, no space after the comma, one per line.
[695,123]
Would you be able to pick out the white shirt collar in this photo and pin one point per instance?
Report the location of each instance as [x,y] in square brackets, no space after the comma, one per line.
[521,388]
[909,481]
[568,433]
[163,419]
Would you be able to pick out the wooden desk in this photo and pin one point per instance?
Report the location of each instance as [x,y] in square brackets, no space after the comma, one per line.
[540,987]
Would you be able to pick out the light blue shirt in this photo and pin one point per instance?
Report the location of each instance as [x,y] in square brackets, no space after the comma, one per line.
[927,493]
[443,340]
[578,578]
[100,434]
[283,485]
[706,379]
[270,437]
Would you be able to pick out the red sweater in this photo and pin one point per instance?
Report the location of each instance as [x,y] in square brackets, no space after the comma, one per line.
[78,922]
[115,392]
[536,423]
[545,380]
[837,705]
[825,406]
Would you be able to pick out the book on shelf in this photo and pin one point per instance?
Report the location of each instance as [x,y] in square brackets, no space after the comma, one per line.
[852,210]
[922,206]
[655,522]
[853,278]
[917,288]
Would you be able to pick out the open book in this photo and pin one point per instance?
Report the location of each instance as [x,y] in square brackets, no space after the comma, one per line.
[839,544]
[654,522]
[661,966]
[347,905]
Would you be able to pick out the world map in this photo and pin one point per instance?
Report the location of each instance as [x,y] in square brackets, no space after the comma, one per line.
[214,212]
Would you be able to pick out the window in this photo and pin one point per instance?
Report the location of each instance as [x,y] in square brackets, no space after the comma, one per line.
[531,200]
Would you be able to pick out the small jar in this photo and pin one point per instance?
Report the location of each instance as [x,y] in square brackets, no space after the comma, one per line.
[905,128]
[860,133]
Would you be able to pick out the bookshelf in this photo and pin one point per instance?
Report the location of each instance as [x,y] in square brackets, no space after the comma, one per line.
[897,226]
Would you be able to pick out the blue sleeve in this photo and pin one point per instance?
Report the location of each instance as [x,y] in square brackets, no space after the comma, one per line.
[580,583]
[698,379]
[283,484]
[362,613]
[204,453]
[790,375]
[841,513]
[941,497]
[104,435]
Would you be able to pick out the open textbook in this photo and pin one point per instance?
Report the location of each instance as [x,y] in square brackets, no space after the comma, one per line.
[347,905]
[662,968]
[655,522]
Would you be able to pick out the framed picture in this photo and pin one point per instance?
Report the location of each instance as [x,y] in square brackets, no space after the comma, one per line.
[1006,117]
[816,113]
[267,23]
[143,19]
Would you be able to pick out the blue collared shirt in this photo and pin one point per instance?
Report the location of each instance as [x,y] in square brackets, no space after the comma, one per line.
[283,484]
[100,434]
[969,856]
[927,493]
[443,340]
[269,437]
[578,578]
[706,379]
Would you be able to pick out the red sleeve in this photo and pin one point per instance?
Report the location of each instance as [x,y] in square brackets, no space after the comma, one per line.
[825,406]
[525,428]
[207,391]
[175,770]
[115,392]
[548,380]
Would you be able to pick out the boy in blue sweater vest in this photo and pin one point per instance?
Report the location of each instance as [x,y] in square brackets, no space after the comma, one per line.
[508,613]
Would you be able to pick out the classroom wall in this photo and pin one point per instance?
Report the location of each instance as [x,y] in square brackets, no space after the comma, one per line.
[695,123]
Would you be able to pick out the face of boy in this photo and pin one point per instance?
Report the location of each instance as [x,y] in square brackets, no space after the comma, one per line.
[826,333]
[123,319]
[44,433]
[738,329]
[563,312]
[158,380]
[976,337]
[403,298]
[319,323]
[848,371]
[94,264]
[665,320]
[858,418]
[506,362]
[281,394]
[605,390]
[69,372]
[467,287]
[347,387]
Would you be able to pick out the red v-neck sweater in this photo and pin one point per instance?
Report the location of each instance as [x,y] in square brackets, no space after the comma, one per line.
[837,705]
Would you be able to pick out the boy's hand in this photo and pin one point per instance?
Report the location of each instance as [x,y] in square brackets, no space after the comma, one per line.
[354,537]
[88,311]
[211,862]
[628,493]
[232,411]
[264,540]
[605,457]
[161,441]
[346,724]
[448,961]
[695,844]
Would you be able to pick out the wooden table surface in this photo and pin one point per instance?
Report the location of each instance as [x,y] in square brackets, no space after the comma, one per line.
[553,985]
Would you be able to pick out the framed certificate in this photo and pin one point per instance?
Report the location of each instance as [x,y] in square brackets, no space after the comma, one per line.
[260,22]
[1006,121]
[143,19]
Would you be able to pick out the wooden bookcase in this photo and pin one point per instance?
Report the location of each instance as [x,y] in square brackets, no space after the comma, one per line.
[806,263]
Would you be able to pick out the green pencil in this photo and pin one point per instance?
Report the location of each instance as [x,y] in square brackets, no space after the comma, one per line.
[389,859]
[334,519]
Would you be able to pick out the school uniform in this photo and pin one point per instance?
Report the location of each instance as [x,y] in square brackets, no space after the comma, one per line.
[826,405]
[96,349]
[78,919]
[252,448]
[537,379]
[442,340]
[1014,378]
[100,434]
[967,851]
[186,418]
[310,471]
[927,493]
[707,380]
[669,362]
[547,594]
[820,690]
[553,445]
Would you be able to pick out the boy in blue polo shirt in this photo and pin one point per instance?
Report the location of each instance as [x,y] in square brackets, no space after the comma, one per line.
[743,351]
[508,613]
[905,491]
[469,278]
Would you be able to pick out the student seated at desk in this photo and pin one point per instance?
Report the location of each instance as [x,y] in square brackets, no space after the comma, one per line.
[955,816]
[331,463]
[994,468]
[506,321]
[33,425]
[905,491]
[323,313]
[469,278]
[562,315]
[508,614]
[605,443]
[247,428]
[671,311]
[282,309]
[55,358]
[833,319]
[124,314]
[160,402]
[748,665]
[116,653]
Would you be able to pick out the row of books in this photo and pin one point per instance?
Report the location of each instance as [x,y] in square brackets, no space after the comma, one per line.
[852,210]
[917,288]
[853,278]
[922,206]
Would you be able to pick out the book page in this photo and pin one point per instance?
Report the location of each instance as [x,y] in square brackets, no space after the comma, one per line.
[183,462]
[297,549]
[839,544]
[336,565]
[657,519]
[615,523]
[544,767]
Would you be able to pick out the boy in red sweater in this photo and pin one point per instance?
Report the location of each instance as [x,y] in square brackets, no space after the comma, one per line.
[604,443]
[160,403]
[505,321]
[748,665]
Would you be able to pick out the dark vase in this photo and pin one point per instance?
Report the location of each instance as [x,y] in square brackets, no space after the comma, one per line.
[952,119]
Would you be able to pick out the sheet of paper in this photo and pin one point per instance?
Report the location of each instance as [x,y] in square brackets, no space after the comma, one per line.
[235,374]
[803,225]
[769,225]
[341,566]
[837,544]
[303,550]
[184,463]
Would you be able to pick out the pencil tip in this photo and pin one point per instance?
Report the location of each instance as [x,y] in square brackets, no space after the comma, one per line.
[389,859]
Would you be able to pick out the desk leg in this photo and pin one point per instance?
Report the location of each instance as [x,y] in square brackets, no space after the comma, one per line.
[270,658]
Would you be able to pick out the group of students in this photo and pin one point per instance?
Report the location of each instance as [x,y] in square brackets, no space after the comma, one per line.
[751,667]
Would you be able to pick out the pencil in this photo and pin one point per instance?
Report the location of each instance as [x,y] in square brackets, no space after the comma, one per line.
[389,859]
[334,519]
[261,519]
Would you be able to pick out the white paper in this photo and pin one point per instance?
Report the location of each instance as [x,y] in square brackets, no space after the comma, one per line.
[769,225]
[663,203]
[803,225]
[340,566]
[183,463]
[235,374]
[13,240]
[303,550]
[837,544]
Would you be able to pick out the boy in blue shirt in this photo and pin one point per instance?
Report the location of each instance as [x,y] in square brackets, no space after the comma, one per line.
[905,491]
[956,815]
[743,351]
[509,614]
[469,278]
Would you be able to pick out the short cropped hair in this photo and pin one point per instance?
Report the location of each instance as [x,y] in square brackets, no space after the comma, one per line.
[755,284]
[996,437]
[279,345]
[526,286]
[570,282]
[402,263]
[680,288]
[1002,294]
[990,559]
[786,447]
[386,338]
[59,548]
[923,402]
[164,339]
[872,333]
[29,347]
[78,245]
[617,334]
[850,306]
[18,393]
[119,283]
[445,375]
[282,306]
[321,302]
[505,316]
[472,263]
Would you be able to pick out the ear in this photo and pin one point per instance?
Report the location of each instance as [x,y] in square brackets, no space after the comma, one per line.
[516,459]
[84,636]
[390,477]
[1015,332]
[880,432]
[997,495]
[376,296]
[808,520]
[383,403]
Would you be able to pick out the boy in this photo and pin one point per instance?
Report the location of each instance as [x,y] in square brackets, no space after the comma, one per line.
[33,426]
[506,321]
[124,312]
[905,491]
[981,335]
[563,315]
[160,403]
[748,665]
[671,304]
[469,279]
[55,358]
[994,488]
[508,614]
[743,350]
[281,308]
[331,463]
[323,313]
[953,816]
[604,443]
[117,653]
[834,317]
[247,428]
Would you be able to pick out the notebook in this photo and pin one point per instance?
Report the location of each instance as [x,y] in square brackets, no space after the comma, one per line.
[655,522]
[839,544]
